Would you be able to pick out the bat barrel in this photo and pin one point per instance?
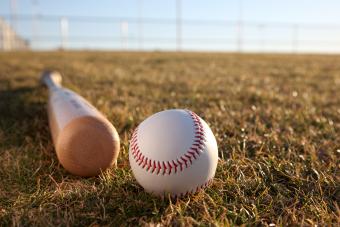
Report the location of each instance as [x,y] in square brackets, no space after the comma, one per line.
[87,146]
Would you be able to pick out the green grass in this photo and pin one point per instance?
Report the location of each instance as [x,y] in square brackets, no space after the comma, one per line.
[276,119]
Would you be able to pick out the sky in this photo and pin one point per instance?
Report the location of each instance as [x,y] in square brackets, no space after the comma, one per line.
[277,25]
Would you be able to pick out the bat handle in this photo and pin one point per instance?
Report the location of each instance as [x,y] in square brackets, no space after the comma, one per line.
[52,79]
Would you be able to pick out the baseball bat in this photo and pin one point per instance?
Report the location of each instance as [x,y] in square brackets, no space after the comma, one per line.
[86,143]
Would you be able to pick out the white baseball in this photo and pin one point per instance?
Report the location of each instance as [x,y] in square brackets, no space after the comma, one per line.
[173,151]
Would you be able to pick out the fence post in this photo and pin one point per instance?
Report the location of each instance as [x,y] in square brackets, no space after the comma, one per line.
[124,31]
[240,28]
[63,32]
[140,24]
[1,36]
[35,18]
[261,28]
[295,38]
[178,25]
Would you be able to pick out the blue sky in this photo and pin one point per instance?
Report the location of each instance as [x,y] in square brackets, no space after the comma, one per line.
[210,36]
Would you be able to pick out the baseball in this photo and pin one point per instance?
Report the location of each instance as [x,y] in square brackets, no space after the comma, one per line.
[173,151]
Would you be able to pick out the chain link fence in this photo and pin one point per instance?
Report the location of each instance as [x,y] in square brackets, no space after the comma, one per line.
[47,32]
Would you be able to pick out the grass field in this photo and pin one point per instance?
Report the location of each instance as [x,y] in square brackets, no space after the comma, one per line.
[276,119]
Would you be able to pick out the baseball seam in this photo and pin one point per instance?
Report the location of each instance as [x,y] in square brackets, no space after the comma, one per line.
[171,166]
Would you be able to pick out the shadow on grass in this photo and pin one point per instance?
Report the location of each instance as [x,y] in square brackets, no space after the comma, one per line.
[22,116]
[23,132]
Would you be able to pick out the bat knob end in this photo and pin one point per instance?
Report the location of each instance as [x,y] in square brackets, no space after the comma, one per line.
[51,78]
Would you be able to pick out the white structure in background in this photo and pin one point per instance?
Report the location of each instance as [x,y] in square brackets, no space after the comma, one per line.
[124,29]
[64,32]
[9,39]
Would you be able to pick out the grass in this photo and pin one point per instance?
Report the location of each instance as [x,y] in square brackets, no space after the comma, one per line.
[276,119]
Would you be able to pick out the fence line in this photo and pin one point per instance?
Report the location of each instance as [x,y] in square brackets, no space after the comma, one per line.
[239,37]
[169,20]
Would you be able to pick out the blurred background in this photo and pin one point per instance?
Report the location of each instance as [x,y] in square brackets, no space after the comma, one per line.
[290,26]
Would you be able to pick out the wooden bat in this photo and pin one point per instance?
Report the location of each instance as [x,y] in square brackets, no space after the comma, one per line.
[86,142]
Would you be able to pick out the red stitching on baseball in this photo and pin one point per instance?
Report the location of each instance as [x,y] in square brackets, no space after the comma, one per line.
[170,167]
[164,168]
[185,160]
[196,150]
[159,167]
[180,164]
[154,166]
[192,154]
[189,157]
[175,165]
[149,164]
[145,162]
